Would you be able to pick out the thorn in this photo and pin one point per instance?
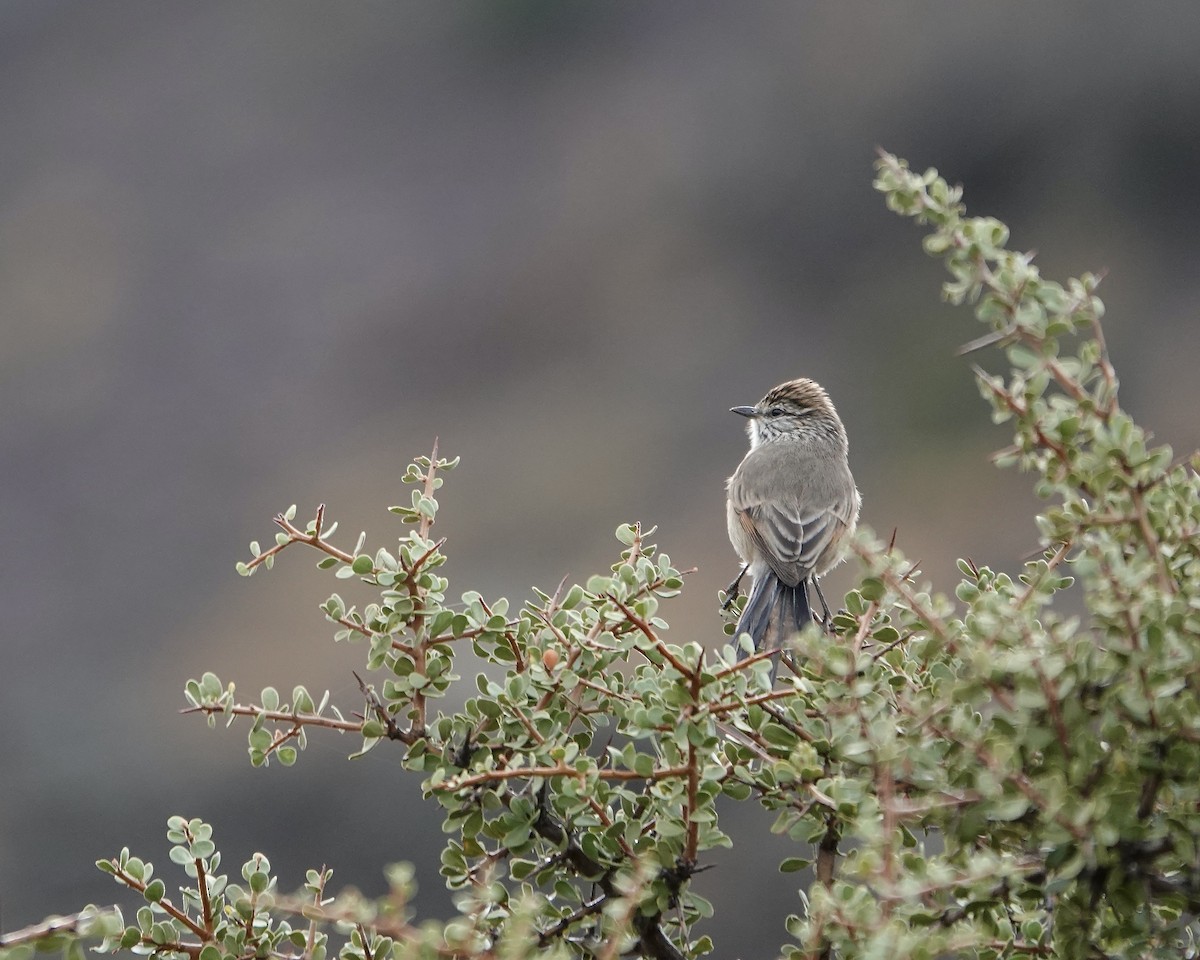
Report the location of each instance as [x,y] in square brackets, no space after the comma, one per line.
[985,341]
[558,590]
[986,378]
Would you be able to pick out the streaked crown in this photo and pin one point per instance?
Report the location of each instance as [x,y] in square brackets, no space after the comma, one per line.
[796,397]
[797,408]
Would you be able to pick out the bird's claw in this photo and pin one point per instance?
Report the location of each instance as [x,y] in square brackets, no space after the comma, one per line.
[731,591]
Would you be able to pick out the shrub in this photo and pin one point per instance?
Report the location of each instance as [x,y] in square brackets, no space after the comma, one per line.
[977,776]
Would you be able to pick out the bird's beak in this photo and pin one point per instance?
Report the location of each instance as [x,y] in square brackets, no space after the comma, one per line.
[743,411]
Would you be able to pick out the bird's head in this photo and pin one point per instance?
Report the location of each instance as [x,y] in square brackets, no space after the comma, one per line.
[794,409]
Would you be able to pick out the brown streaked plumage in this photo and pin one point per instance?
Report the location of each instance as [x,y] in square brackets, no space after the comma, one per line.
[791,503]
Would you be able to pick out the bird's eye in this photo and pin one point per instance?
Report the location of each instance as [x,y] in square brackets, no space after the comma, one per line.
[776,412]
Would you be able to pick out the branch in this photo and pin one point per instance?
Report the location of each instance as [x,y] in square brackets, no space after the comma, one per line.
[418,698]
[650,635]
[281,716]
[75,923]
[511,773]
[1165,581]
[394,731]
[827,852]
[296,535]
[164,904]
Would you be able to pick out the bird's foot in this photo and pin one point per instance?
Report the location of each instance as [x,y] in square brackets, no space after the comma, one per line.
[826,618]
[731,591]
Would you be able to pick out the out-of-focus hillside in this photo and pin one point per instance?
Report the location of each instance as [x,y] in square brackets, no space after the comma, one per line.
[253,254]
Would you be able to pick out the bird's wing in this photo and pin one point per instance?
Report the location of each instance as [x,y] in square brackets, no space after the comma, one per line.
[791,539]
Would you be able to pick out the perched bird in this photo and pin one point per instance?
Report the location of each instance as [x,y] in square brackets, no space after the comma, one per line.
[790,506]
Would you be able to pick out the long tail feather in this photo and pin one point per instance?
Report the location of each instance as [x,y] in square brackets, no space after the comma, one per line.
[756,615]
[774,613]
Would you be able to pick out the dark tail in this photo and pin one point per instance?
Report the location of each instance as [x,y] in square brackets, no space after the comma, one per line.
[774,612]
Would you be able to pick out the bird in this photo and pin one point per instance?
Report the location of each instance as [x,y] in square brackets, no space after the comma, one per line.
[791,506]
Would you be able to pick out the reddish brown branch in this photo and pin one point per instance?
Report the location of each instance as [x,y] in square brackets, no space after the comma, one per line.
[650,635]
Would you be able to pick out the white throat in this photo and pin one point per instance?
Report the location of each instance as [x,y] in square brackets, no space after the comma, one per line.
[755,432]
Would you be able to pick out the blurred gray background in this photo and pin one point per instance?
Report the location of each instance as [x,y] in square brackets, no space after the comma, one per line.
[261,253]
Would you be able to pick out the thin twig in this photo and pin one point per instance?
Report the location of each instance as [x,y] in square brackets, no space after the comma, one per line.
[394,730]
[54,925]
[650,635]
[282,716]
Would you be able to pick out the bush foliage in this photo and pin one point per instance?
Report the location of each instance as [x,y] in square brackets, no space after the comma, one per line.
[982,775]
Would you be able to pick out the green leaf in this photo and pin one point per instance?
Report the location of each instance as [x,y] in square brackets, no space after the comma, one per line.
[373,729]
[872,589]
